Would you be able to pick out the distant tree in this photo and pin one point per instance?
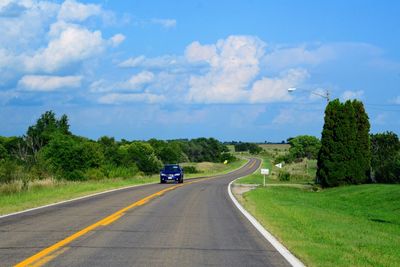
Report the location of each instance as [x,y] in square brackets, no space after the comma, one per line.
[304,146]
[204,149]
[251,147]
[167,152]
[70,156]
[46,126]
[144,156]
[110,150]
[386,157]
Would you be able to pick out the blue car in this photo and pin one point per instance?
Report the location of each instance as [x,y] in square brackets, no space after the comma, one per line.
[171,172]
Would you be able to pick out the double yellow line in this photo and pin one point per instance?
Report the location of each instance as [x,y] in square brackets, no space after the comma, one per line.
[58,248]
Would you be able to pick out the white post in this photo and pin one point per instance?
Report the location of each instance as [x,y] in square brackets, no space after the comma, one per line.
[264,180]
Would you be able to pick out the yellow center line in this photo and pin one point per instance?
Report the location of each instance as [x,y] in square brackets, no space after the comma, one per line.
[49,253]
[48,258]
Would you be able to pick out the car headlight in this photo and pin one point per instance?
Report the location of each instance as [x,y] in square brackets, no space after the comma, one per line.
[162,174]
[177,174]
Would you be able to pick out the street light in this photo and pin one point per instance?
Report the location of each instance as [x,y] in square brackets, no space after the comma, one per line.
[326,95]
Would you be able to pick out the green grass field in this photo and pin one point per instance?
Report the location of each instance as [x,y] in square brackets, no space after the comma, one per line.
[51,191]
[344,226]
[301,172]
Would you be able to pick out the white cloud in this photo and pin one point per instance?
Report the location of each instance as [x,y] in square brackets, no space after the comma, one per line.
[134,83]
[276,89]
[117,39]
[48,83]
[234,63]
[117,98]
[166,23]
[234,73]
[196,52]
[286,57]
[72,10]
[349,95]
[73,44]
[161,62]
[138,80]
[23,28]
[397,100]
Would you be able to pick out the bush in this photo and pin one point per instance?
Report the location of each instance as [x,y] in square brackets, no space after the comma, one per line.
[74,175]
[94,174]
[120,171]
[190,169]
[284,176]
[69,157]
[10,171]
[143,155]
[283,158]
[227,156]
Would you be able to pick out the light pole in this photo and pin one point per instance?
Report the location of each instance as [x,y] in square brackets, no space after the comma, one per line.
[326,95]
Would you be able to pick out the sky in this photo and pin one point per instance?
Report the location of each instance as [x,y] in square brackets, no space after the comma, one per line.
[186,69]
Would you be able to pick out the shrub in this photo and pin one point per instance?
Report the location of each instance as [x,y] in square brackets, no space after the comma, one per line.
[190,169]
[74,175]
[284,176]
[227,156]
[70,157]
[120,171]
[10,171]
[94,174]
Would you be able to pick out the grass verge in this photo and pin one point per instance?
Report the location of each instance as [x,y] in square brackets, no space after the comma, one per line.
[345,226]
[45,192]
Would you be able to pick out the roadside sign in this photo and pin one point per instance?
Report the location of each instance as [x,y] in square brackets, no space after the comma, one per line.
[265,171]
[279,165]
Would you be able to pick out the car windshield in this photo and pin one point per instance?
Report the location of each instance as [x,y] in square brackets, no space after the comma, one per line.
[171,168]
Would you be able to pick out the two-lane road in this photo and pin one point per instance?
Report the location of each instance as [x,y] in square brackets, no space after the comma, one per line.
[195,224]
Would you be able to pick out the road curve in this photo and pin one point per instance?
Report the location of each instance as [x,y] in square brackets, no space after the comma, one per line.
[191,225]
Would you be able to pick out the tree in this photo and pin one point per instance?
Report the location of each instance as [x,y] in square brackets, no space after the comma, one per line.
[167,152]
[363,144]
[69,157]
[110,150]
[46,126]
[385,157]
[344,157]
[330,160]
[142,154]
[304,146]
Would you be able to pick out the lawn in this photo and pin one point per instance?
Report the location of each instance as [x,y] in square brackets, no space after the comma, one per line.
[51,191]
[344,226]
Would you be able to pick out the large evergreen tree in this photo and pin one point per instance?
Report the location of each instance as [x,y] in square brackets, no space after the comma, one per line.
[363,147]
[344,157]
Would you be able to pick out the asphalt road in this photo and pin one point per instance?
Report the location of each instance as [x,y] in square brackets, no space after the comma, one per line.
[191,225]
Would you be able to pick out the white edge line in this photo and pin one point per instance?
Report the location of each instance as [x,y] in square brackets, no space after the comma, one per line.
[74,199]
[267,235]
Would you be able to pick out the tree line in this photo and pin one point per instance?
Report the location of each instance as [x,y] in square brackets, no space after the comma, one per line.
[49,149]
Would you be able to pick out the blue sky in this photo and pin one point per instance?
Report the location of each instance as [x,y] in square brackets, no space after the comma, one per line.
[185,69]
